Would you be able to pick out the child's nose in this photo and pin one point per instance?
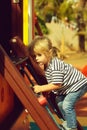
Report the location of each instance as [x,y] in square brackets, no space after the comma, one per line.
[36,57]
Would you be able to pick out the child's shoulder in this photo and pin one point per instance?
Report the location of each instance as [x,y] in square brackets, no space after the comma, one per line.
[56,59]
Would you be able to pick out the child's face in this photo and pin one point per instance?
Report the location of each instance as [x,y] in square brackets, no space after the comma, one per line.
[41,59]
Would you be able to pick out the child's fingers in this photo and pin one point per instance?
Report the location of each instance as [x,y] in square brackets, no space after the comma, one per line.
[37,89]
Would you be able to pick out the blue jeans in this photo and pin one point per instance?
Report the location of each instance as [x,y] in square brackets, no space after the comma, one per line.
[66,104]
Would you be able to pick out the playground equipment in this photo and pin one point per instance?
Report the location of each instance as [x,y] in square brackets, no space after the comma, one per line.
[19,86]
[14,87]
[28,68]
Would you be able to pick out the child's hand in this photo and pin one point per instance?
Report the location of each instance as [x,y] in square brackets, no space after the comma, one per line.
[41,66]
[37,88]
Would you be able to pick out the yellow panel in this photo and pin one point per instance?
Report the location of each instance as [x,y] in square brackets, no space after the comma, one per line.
[25,22]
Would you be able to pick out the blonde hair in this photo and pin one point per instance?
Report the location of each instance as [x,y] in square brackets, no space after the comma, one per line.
[43,44]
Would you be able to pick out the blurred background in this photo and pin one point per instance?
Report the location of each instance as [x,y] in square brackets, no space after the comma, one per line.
[65,23]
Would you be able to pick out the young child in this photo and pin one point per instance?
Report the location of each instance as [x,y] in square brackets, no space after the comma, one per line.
[67,82]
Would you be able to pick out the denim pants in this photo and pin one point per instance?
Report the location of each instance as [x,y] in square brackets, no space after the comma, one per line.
[66,104]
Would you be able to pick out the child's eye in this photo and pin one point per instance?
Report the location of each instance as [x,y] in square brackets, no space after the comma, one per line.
[39,54]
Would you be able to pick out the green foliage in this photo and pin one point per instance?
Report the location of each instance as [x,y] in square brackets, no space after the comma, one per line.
[42,25]
[45,9]
[66,10]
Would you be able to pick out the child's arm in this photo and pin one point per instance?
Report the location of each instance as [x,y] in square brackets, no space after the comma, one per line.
[46,87]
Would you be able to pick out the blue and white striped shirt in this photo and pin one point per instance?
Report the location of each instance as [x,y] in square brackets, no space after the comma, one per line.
[59,72]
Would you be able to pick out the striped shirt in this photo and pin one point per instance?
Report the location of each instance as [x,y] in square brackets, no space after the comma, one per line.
[59,72]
